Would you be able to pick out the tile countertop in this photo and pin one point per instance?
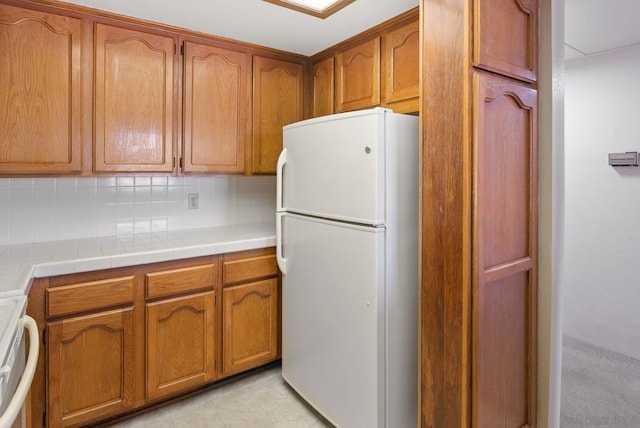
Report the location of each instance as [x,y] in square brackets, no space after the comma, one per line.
[20,263]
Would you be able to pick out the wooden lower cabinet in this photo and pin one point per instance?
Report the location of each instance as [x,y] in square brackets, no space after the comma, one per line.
[250,320]
[123,339]
[90,367]
[180,344]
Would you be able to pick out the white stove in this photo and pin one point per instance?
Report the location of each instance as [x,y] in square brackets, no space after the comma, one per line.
[15,375]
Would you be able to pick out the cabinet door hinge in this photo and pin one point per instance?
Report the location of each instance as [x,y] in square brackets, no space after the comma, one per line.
[181,49]
[44,419]
[181,162]
[173,163]
[44,336]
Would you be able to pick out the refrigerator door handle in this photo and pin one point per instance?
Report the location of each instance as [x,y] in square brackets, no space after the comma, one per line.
[281,260]
[282,161]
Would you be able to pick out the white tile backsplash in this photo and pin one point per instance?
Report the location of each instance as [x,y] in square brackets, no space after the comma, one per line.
[46,209]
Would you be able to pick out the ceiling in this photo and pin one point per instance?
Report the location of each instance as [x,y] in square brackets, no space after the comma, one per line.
[593,27]
[260,22]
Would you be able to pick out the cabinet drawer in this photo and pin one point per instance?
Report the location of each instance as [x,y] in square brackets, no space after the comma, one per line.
[244,269]
[88,296]
[179,281]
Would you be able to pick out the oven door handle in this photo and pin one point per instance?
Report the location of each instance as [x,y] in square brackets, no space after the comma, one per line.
[16,403]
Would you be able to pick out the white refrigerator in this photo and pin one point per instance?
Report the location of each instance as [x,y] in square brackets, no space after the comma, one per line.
[347,246]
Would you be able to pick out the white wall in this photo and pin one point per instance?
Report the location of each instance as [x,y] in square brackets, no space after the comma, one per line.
[602,259]
[551,209]
[45,209]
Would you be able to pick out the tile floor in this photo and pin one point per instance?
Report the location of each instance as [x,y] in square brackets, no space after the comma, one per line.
[260,400]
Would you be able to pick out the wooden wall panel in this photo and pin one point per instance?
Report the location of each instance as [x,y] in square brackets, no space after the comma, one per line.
[445,217]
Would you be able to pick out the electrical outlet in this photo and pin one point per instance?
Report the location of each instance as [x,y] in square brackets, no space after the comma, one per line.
[192,201]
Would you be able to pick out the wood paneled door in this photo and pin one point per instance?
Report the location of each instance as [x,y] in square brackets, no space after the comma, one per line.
[358,76]
[323,87]
[217,108]
[250,318]
[135,100]
[505,253]
[40,92]
[278,88]
[506,37]
[90,367]
[180,344]
[401,59]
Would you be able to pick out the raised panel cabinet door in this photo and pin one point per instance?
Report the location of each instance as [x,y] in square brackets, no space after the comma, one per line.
[358,76]
[180,344]
[505,253]
[40,93]
[278,88]
[250,325]
[323,87]
[90,370]
[401,59]
[505,37]
[217,104]
[134,101]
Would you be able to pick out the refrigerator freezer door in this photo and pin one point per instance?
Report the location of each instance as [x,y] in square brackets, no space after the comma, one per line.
[333,319]
[335,167]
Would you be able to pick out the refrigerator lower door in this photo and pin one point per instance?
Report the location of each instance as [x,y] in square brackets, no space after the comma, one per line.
[333,319]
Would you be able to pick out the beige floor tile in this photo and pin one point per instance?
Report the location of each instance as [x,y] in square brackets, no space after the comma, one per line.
[260,400]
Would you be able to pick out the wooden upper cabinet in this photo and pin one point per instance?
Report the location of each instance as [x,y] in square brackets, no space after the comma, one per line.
[323,87]
[278,88]
[506,37]
[217,105]
[505,253]
[358,76]
[40,94]
[134,100]
[401,59]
